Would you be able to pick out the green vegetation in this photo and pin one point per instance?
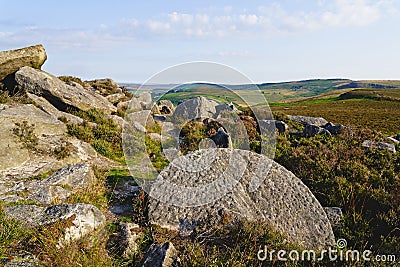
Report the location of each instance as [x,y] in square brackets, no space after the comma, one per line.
[364,183]
[104,136]
[25,132]
[69,79]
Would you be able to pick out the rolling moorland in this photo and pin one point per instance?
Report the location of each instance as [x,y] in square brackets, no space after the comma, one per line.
[62,156]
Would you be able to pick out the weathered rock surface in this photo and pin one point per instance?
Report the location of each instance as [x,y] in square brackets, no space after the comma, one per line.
[165,107]
[335,216]
[379,145]
[56,187]
[130,235]
[117,120]
[199,107]
[222,139]
[12,60]
[312,130]
[334,129]
[115,98]
[308,120]
[20,260]
[160,255]
[193,188]
[85,218]
[143,118]
[60,94]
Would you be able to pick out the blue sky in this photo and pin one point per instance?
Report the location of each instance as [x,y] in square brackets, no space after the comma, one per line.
[267,40]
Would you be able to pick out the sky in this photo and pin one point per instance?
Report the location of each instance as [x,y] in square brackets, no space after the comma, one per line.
[268,41]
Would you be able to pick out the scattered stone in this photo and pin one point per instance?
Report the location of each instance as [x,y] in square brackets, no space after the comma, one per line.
[160,255]
[281,127]
[12,60]
[308,120]
[247,184]
[312,130]
[335,216]
[222,139]
[21,260]
[85,218]
[379,145]
[130,235]
[334,129]
[60,94]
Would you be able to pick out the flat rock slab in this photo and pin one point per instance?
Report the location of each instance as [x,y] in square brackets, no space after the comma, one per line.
[194,188]
[60,94]
[308,120]
[13,60]
[85,218]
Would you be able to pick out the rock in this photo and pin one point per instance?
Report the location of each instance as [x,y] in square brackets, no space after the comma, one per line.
[57,187]
[12,151]
[281,127]
[335,216]
[334,129]
[312,130]
[45,105]
[60,94]
[117,120]
[85,218]
[115,98]
[159,118]
[165,107]
[222,139]
[130,235]
[379,145]
[160,255]
[393,139]
[247,184]
[144,99]
[143,118]
[199,107]
[226,107]
[20,260]
[124,106]
[308,120]
[12,60]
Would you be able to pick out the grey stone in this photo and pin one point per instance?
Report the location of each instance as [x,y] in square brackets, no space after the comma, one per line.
[335,216]
[12,60]
[308,120]
[379,145]
[312,130]
[60,94]
[222,139]
[130,235]
[144,99]
[281,126]
[199,107]
[160,255]
[45,105]
[85,218]
[142,117]
[165,107]
[334,129]
[247,184]
[117,120]
[20,260]
[159,118]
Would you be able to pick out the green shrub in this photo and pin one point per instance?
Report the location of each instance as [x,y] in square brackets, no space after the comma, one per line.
[25,132]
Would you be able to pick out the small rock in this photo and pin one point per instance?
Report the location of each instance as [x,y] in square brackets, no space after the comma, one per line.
[130,235]
[379,145]
[281,126]
[312,130]
[335,216]
[308,120]
[160,255]
[86,218]
[222,139]
[166,107]
[199,107]
[334,129]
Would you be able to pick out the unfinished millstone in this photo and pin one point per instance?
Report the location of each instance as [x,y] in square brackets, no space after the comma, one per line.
[264,190]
